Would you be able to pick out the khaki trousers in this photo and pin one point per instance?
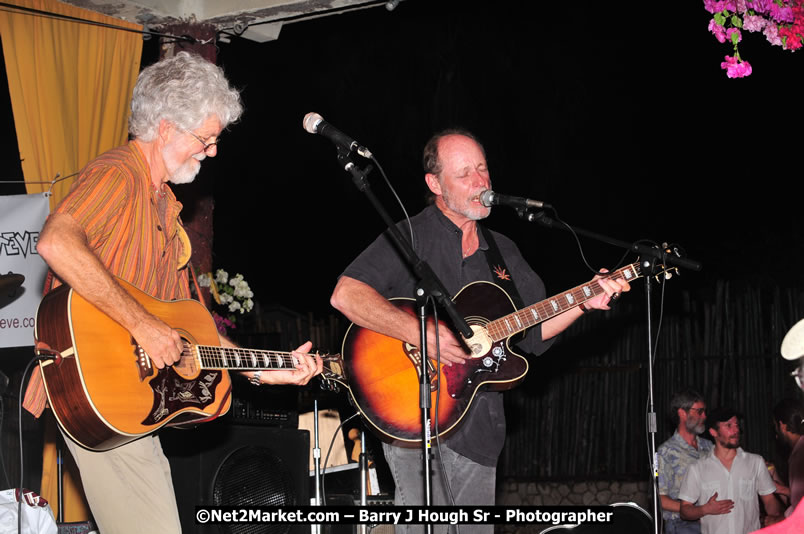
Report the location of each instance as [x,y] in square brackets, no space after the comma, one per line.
[129,489]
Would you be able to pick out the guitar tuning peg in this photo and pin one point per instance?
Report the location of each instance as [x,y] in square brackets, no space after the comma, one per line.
[667,273]
[328,384]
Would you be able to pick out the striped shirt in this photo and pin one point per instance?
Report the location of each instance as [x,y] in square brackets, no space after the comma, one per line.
[113,202]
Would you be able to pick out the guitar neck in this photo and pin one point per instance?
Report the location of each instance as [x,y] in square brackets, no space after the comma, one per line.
[520,320]
[238,359]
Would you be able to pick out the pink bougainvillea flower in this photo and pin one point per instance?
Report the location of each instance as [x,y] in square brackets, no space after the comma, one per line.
[222,323]
[736,68]
[717,30]
[781,21]
[791,39]
[781,13]
[771,32]
[716,6]
[754,23]
[760,6]
[733,31]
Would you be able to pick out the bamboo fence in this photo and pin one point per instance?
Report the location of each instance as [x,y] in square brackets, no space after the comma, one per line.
[582,411]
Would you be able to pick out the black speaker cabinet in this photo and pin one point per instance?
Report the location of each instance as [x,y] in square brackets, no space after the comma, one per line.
[224,464]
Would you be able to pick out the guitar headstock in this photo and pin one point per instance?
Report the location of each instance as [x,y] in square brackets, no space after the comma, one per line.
[642,268]
[665,272]
[333,373]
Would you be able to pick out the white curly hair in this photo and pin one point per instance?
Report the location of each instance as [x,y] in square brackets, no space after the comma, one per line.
[186,90]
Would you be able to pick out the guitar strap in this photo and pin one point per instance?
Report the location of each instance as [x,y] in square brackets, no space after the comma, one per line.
[200,297]
[500,273]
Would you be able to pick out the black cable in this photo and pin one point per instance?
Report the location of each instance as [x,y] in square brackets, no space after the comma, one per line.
[19,425]
[444,478]
[580,246]
[655,479]
[2,458]
[329,450]
[401,204]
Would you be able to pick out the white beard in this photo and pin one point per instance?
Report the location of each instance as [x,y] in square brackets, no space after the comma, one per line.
[471,212]
[187,171]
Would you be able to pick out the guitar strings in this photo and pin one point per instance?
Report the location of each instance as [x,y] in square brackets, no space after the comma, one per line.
[244,359]
[502,328]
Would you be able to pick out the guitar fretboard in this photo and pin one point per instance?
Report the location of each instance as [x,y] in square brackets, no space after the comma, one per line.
[212,357]
[511,324]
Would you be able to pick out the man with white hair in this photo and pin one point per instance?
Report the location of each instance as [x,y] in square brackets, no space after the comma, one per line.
[121,219]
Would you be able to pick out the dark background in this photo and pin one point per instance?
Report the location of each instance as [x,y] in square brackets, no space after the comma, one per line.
[620,118]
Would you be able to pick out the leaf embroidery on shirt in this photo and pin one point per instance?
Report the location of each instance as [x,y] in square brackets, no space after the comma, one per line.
[501,274]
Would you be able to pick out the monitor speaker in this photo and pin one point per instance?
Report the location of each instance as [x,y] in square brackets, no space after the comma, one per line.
[224,464]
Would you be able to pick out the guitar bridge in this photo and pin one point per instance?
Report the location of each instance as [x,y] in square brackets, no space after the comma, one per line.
[415,356]
[144,366]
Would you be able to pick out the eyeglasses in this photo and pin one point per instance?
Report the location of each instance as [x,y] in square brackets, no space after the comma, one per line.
[207,146]
[699,410]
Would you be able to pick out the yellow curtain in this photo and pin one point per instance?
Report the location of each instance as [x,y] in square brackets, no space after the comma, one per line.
[70,85]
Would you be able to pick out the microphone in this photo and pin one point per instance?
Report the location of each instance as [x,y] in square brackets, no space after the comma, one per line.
[315,124]
[489,198]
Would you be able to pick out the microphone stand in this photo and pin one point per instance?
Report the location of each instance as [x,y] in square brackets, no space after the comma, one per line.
[650,257]
[363,463]
[428,286]
[317,461]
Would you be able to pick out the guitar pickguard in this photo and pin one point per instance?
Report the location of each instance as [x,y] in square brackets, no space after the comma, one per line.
[173,393]
[481,368]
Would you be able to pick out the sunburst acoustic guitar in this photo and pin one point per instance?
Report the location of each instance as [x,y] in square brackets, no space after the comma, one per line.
[381,373]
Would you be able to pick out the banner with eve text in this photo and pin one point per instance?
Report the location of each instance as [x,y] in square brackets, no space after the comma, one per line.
[21,219]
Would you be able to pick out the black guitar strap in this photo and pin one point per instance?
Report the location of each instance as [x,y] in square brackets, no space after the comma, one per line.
[500,273]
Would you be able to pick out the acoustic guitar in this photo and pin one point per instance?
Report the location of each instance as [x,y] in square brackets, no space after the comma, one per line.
[103,388]
[381,373]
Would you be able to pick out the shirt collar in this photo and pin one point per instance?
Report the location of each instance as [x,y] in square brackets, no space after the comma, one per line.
[450,226]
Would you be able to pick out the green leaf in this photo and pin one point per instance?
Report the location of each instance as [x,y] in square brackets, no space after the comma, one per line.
[734,38]
[736,21]
[720,19]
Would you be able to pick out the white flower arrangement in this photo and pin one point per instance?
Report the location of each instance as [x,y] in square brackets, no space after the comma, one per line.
[233,294]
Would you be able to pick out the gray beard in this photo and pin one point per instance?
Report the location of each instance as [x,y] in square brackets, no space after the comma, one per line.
[466,212]
[697,429]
